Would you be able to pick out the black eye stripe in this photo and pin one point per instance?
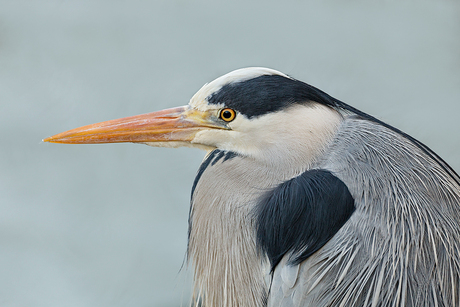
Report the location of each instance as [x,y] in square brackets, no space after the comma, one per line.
[267,94]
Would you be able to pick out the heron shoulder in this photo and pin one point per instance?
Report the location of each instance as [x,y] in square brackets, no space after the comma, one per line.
[300,215]
[407,207]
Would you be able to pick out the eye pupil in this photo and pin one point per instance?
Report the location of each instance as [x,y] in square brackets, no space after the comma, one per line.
[227,114]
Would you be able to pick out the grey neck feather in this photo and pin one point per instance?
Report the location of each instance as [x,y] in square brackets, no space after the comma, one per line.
[228,269]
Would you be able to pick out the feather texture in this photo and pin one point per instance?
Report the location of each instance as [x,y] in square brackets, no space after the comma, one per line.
[400,247]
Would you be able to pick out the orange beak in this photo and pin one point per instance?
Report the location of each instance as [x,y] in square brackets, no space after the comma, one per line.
[177,124]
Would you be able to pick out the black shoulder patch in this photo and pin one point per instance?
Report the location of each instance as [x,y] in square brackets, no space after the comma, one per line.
[300,215]
[265,94]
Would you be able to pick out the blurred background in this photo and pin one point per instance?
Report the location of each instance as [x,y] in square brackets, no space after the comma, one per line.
[106,225]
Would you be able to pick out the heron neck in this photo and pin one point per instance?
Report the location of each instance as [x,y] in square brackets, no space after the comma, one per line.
[229,269]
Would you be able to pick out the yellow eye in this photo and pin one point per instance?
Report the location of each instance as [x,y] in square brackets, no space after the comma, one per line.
[227,115]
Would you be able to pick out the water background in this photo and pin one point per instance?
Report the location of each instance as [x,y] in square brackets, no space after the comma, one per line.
[106,225]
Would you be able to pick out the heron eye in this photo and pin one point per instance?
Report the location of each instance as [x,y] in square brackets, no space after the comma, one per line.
[227,115]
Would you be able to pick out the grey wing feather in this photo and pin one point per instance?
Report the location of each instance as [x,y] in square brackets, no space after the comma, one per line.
[401,245]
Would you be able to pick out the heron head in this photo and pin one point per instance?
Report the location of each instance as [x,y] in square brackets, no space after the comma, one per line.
[255,111]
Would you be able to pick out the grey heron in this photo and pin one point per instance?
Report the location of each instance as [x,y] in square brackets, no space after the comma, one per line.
[303,200]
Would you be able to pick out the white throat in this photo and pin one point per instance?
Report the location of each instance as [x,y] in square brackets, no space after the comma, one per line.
[288,139]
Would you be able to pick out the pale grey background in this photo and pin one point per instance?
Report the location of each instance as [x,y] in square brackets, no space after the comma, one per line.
[105,225]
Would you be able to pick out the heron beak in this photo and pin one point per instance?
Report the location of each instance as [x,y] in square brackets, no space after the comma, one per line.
[176,124]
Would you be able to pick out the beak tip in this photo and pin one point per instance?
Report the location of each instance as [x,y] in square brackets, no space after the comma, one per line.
[51,139]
